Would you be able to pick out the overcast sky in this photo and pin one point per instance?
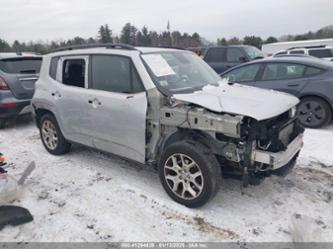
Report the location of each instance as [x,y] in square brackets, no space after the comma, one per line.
[61,19]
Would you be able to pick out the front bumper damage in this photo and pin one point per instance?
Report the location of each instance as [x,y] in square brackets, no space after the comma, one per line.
[277,160]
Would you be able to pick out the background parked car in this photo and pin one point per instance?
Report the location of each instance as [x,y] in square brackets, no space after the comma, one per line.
[310,79]
[18,74]
[322,52]
[225,57]
[273,48]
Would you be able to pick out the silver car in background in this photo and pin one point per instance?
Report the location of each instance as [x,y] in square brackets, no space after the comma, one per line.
[18,74]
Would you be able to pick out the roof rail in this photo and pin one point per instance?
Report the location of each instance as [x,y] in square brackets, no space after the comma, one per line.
[96,45]
[171,47]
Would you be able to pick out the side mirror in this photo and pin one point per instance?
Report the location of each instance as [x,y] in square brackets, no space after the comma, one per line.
[243,59]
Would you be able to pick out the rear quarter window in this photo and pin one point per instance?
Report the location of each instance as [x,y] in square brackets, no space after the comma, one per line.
[21,65]
[54,67]
[310,71]
[321,53]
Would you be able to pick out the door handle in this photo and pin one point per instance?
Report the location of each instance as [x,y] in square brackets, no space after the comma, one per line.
[293,85]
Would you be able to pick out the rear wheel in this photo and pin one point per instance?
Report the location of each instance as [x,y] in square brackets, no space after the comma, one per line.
[189,173]
[314,112]
[51,135]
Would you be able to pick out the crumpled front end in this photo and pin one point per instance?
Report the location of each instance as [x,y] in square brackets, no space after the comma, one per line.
[273,145]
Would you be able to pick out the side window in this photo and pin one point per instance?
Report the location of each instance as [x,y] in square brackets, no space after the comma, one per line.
[234,55]
[281,71]
[313,71]
[243,74]
[54,67]
[297,52]
[73,72]
[215,55]
[321,53]
[114,74]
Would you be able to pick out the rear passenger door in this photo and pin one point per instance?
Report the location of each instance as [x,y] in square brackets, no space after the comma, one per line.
[285,77]
[118,106]
[70,97]
[216,58]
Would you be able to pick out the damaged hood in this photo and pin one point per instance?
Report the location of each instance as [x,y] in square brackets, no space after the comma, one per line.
[253,102]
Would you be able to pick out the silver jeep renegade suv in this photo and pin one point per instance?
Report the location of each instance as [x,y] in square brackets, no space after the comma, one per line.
[169,109]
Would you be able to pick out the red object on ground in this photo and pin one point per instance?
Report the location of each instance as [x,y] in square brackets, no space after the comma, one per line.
[2,159]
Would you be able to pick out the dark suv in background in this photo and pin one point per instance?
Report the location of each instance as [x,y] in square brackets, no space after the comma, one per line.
[18,74]
[224,57]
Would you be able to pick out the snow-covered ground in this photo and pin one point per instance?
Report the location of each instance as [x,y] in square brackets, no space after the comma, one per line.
[91,196]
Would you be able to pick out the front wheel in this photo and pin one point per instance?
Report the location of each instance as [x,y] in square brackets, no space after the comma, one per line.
[314,112]
[51,135]
[189,173]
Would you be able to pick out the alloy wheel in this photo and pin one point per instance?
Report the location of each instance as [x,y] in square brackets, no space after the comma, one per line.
[183,176]
[49,135]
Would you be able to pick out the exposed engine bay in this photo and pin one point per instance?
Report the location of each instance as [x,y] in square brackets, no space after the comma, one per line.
[244,146]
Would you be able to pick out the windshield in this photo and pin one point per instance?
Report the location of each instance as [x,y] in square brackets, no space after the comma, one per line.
[179,71]
[253,52]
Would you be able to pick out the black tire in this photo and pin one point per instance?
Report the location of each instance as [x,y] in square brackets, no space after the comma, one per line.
[209,168]
[314,112]
[62,145]
[2,123]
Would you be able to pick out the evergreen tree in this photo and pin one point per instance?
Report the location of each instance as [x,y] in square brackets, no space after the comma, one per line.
[165,39]
[253,41]
[146,37]
[176,39]
[234,41]
[222,42]
[105,34]
[139,39]
[16,47]
[271,39]
[195,40]
[154,38]
[128,34]
[4,46]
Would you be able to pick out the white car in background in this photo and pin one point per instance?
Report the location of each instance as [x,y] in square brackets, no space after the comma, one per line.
[322,52]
